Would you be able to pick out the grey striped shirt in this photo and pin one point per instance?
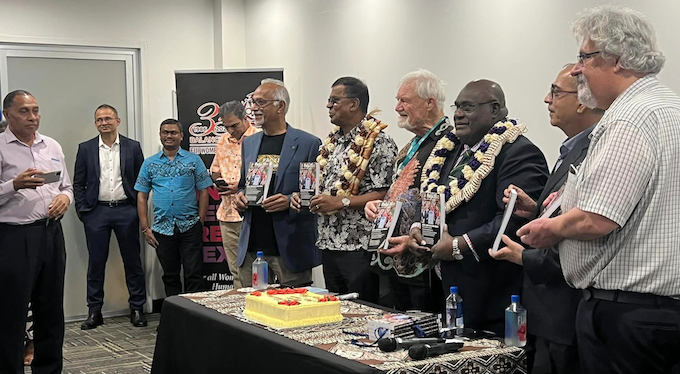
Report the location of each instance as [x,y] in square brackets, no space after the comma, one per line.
[631,176]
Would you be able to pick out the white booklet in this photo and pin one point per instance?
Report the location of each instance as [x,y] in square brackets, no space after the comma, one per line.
[506,218]
[258,179]
[384,224]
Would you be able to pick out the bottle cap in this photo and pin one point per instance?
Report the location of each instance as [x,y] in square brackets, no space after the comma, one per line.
[453,289]
[514,298]
[260,254]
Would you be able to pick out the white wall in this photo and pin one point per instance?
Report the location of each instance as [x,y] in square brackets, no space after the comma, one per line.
[521,44]
[177,35]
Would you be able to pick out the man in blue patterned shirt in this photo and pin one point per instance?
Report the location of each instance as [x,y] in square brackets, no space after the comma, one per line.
[174,175]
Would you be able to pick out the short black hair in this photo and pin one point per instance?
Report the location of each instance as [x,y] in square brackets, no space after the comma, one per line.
[355,89]
[172,121]
[9,99]
[106,106]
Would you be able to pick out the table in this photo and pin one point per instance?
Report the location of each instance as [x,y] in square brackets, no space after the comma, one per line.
[207,333]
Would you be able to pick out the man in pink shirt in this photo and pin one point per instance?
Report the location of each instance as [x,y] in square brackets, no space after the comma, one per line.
[32,253]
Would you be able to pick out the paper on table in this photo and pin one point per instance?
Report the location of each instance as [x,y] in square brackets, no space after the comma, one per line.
[506,218]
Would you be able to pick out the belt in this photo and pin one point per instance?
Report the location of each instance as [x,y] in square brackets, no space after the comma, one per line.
[114,203]
[627,297]
[40,222]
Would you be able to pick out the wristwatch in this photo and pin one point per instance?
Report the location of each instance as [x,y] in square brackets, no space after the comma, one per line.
[345,202]
[455,250]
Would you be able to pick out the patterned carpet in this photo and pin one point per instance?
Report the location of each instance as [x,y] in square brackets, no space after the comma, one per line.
[114,348]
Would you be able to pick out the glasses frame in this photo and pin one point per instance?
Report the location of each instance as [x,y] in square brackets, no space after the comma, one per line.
[473,105]
[556,92]
[267,102]
[333,101]
[583,57]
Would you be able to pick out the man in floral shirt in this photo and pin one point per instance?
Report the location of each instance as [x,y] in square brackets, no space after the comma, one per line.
[343,229]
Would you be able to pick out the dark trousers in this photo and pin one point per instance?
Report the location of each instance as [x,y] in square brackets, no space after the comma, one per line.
[548,357]
[32,265]
[99,222]
[423,292]
[350,271]
[615,337]
[182,249]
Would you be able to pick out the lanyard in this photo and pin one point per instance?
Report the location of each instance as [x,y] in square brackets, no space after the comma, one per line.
[416,145]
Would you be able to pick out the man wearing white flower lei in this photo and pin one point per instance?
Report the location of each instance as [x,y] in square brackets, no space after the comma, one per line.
[356,162]
[473,178]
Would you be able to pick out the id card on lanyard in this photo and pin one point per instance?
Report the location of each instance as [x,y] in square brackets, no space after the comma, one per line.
[415,145]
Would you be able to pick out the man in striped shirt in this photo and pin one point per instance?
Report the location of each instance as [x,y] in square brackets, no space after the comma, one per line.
[618,237]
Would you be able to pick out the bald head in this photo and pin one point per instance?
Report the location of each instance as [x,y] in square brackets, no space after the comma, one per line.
[489,89]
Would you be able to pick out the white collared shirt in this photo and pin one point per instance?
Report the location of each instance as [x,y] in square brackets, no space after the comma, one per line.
[110,177]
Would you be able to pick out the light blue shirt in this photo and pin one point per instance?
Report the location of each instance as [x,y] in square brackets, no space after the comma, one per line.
[570,143]
[174,184]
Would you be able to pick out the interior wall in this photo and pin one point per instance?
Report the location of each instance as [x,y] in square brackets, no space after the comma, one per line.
[521,44]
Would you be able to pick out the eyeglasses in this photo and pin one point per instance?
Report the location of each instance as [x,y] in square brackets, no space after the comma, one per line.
[583,57]
[263,102]
[105,120]
[332,101]
[468,108]
[556,92]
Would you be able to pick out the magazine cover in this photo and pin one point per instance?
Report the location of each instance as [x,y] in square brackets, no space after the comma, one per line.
[309,182]
[384,224]
[431,223]
[258,178]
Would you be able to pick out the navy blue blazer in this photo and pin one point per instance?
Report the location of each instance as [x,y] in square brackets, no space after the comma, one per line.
[87,172]
[295,232]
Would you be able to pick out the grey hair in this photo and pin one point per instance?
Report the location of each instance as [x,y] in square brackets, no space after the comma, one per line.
[427,86]
[281,92]
[622,32]
[3,125]
[233,107]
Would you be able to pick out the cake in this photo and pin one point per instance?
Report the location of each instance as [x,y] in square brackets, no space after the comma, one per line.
[287,308]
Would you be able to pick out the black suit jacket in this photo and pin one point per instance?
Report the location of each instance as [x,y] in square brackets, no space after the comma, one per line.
[486,286]
[551,304]
[86,176]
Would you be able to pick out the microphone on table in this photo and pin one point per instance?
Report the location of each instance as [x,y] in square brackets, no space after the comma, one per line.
[423,351]
[392,344]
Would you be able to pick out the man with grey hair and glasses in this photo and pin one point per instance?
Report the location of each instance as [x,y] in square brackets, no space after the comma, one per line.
[618,236]
[284,236]
[226,172]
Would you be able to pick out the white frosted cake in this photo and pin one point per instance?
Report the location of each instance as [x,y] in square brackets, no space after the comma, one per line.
[286,308]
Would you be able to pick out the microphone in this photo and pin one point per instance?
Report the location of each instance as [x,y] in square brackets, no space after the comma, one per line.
[392,344]
[349,296]
[423,351]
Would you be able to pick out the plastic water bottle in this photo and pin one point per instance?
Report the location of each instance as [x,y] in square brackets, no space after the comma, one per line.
[260,272]
[515,324]
[454,312]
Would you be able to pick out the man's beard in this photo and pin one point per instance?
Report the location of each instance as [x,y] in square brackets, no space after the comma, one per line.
[585,95]
[404,123]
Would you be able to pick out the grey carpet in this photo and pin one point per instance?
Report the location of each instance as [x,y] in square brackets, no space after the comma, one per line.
[113,348]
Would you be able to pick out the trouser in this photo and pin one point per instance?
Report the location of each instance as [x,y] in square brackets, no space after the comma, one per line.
[350,271]
[230,234]
[99,222]
[545,356]
[423,292]
[32,266]
[182,249]
[637,333]
[276,268]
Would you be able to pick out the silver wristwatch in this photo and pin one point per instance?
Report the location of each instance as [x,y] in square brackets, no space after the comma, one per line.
[455,250]
[345,202]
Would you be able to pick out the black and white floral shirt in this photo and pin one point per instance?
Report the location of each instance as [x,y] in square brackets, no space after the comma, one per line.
[348,229]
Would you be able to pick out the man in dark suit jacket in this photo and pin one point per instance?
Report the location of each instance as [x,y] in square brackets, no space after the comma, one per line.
[106,170]
[286,237]
[485,285]
[551,304]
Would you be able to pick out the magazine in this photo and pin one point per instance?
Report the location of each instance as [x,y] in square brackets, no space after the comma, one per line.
[431,224]
[258,179]
[309,182]
[384,224]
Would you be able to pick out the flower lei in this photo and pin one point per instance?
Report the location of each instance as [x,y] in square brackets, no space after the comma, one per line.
[479,166]
[357,157]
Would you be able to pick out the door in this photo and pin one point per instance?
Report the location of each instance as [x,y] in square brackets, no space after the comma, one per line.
[69,83]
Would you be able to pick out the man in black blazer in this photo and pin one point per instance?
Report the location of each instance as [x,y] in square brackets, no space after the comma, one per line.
[551,304]
[485,285]
[106,170]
